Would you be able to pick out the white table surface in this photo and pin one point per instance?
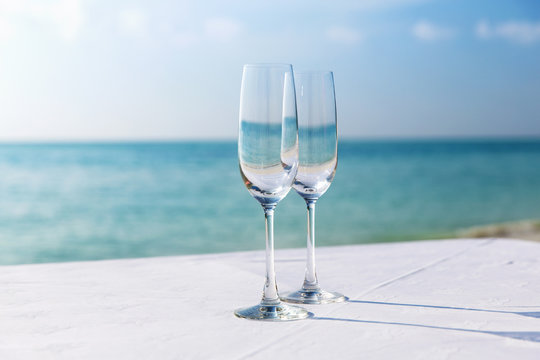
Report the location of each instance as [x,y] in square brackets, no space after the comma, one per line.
[445,299]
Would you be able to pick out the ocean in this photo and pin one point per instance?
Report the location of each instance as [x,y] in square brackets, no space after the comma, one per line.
[89,201]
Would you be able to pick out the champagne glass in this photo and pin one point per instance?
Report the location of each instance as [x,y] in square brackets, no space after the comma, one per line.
[317,134]
[268,156]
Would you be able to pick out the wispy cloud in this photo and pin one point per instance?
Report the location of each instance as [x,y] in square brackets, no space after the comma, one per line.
[520,32]
[133,22]
[379,4]
[427,31]
[222,29]
[343,35]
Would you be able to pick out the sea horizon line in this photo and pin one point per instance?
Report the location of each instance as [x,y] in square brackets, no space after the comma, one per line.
[367,139]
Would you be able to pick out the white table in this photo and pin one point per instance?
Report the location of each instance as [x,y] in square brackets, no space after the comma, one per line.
[446,299]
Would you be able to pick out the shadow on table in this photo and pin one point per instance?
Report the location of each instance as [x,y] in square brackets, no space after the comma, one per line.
[520,335]
[534,314]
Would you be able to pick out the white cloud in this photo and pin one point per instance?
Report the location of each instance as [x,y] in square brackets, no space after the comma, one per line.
[426,31]
[66,17]
[483,30]
[343,35]
[378,4]
[520,32]
[222,29]
[6,29]
[132,22]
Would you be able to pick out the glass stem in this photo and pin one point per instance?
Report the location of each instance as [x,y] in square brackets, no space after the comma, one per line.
[310,281]
[270,294]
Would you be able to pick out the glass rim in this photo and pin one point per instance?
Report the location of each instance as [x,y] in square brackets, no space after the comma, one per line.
[313,72]
[268,65]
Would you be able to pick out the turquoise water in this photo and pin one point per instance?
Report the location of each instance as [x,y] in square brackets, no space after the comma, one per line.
[63,202]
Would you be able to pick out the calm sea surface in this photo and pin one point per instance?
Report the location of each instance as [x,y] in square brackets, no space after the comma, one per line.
[64,202]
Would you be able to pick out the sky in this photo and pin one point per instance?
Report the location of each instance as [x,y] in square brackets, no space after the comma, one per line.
[169,70]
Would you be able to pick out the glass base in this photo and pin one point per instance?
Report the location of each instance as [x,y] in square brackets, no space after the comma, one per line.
[315,296]
[277,312]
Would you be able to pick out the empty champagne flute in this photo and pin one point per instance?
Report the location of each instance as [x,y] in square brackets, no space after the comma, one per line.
[317,134]
[268,156]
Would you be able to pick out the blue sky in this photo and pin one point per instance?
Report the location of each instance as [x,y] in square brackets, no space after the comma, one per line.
[92,70]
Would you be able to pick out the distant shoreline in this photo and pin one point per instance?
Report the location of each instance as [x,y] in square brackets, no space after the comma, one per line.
[524,229]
